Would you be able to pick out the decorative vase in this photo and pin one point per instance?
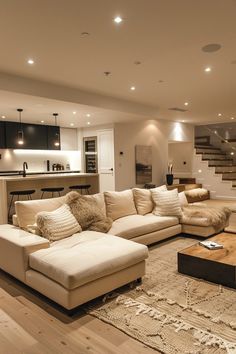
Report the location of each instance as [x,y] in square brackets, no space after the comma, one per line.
[169,179]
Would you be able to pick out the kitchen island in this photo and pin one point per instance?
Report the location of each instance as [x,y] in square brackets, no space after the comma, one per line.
[38,181]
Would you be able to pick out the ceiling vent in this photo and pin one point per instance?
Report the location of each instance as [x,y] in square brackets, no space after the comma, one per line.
[177,109]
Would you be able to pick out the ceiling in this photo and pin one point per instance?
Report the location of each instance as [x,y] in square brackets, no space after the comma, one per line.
[40,110]
[166,36]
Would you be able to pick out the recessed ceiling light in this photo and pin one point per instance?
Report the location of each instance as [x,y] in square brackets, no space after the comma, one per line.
[88,115]
[74,112]
[71,124]
[84,34]
[42,121]
[3,117]
[219,114]
[186,103]
[199,171]
[232,118]
[88,123]
[118,19]
[30,61]
[182,121]
[232,153]
[208,69]
[132,88]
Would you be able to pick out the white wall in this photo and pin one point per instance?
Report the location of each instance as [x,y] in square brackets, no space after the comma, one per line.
[149,132]
[181,155]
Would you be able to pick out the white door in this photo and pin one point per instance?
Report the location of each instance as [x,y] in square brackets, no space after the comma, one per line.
[106,160]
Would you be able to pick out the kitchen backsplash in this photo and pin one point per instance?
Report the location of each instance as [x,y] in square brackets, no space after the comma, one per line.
[37,159]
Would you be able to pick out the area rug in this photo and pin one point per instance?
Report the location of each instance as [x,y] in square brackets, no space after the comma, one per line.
[173,313]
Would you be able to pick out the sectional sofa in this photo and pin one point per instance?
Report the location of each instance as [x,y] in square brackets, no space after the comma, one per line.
[86,265]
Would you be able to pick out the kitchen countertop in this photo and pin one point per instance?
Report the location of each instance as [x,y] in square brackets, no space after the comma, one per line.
[43,175]
[19,172]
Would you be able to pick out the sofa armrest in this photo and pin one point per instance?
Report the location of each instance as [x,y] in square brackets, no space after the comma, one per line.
[15,246]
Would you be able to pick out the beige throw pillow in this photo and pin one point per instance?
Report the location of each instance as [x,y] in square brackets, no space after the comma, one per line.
[119,204]
[183,200]
[143,200]
[58,224]
[167,203]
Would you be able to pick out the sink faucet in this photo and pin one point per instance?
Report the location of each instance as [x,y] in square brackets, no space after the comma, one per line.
[25,167]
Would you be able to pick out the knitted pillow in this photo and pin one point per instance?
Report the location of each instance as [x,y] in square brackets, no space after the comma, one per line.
[167,203]
[87,213]
[58,224]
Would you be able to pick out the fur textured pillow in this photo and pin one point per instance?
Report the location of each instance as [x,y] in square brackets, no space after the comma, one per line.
[87,213]
[197,195]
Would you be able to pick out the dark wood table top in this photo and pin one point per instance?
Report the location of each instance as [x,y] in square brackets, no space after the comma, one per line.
[226,255]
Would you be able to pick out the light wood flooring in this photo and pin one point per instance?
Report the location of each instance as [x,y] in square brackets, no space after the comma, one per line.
[31,324]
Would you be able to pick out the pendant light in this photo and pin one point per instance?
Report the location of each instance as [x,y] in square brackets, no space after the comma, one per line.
[57,138]
[20,133]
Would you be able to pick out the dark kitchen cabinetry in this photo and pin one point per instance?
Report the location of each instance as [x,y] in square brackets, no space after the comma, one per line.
[36,137]
[53,135]
[2,135]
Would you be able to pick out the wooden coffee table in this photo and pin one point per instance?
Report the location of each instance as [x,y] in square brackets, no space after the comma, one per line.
[218,266]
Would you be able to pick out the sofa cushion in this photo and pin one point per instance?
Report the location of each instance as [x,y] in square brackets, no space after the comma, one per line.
[83,258]
[143,200]
[27,210]
[137,225]
[119,204]
[167,203]
[57,224]
[99,199]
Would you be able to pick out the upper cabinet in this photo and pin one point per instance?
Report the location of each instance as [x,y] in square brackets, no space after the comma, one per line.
[36,137]
[53,134]
[69,139]
[2,135]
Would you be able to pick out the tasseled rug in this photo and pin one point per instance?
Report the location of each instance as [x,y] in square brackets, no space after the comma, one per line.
[171,312]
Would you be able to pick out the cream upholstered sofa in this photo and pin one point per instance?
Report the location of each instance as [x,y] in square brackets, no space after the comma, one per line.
[83,266]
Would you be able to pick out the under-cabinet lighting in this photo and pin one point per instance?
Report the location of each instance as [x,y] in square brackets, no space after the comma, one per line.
[44,152]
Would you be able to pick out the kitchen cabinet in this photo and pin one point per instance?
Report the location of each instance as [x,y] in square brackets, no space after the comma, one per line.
[52,133]
[36,136]
[2,135]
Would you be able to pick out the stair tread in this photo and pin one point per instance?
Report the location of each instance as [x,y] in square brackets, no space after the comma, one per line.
[209,147]
[222,165]
[212,153]
[222,172]
[228,159]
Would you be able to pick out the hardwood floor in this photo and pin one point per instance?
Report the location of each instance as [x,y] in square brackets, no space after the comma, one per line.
[31,324]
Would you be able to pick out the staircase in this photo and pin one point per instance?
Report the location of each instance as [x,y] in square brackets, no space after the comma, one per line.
[215,169]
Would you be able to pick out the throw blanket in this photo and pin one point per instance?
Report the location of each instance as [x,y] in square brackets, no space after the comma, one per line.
[216,217]
[87,213]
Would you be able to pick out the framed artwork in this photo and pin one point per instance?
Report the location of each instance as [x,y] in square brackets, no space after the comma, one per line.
[143,164]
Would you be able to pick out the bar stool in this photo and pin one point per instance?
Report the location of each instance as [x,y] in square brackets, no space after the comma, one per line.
[52,190]
[27,193]
[81,188]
